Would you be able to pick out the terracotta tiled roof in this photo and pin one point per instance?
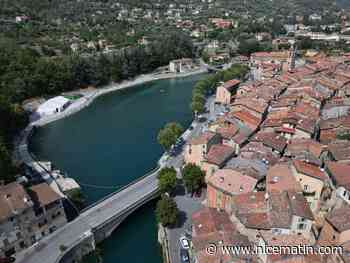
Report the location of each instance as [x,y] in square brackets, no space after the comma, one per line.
[340,173]
[261,151]
[340,150]
[13,200]
[309,169]
[252,202]
[277,214]
[299,205]
[44,194]
[296,146]
[339,219]
[248,119]
[335,123]
[227,131]
[272,140]
[280,178]
[204,138]
[211,226]
[229,85]
[208,220]
[255,104]
[219,154]
[231,182]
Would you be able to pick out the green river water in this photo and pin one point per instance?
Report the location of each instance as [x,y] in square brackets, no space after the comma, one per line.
[112,142]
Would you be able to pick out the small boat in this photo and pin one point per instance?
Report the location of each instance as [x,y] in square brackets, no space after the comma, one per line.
[162,91]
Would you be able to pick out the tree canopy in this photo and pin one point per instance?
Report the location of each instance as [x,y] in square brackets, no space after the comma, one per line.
[167,211]
[167,180]
[169,134]
[193,177]
[26,73]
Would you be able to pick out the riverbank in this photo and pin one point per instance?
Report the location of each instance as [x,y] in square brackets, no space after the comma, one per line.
[90,96]
[112,148]
[22,153]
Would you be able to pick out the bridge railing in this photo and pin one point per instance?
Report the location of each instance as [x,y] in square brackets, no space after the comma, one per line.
[117,215]
[121,189]
[150,195]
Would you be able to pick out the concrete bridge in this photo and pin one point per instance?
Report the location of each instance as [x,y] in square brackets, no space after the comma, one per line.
[93,225]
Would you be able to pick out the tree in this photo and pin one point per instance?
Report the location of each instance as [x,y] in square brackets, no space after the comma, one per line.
[193,177]
[169,134]
[167,180]
[78,198]
[246,47]
[167,211]
[7,173]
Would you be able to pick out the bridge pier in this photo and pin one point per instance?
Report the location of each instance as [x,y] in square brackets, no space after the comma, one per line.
[78,238]
[86,245]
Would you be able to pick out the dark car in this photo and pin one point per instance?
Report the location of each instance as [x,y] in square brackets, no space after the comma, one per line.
[7,260]
[185,257]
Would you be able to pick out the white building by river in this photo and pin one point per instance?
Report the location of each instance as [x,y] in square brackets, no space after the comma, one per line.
[53,106]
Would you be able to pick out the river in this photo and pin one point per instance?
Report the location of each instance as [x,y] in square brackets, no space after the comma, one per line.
[112,142]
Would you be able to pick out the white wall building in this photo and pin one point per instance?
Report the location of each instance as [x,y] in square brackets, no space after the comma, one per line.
[53,106]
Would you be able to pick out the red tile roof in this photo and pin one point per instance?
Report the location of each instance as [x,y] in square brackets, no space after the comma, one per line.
[299,205]
[309,169]
[280,178]
[340,173]
[219,154]
[272,140]
[339,219]
[204,138]
[296,146]
[248,119]
[229,85]
[227,131]
[231,182]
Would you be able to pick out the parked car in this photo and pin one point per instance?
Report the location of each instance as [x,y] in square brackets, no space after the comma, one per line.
[184,256]
[185,244]
[7,260]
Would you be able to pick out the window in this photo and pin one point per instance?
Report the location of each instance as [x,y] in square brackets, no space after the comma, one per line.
[22,244]
[276,231]
[52,229]
[56,215]
[306,187]
[301,226]
[38,212]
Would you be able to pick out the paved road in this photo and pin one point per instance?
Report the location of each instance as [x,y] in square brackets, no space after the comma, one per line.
[187,206]
[48,249]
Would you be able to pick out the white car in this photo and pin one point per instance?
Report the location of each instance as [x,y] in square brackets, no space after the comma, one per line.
[184,242]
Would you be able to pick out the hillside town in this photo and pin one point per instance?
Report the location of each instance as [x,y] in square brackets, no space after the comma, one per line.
[277,162]
[251,101]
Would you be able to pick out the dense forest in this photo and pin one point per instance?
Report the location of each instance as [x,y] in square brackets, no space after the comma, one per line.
[24,73]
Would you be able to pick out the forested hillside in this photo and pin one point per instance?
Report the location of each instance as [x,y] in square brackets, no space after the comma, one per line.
[47,47]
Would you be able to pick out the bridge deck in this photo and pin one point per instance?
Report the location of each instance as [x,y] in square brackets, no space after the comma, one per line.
[48,249]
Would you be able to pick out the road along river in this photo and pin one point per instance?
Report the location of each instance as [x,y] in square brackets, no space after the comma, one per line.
[111,143]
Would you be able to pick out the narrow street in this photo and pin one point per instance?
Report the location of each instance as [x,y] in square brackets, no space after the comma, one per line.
[187,204]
